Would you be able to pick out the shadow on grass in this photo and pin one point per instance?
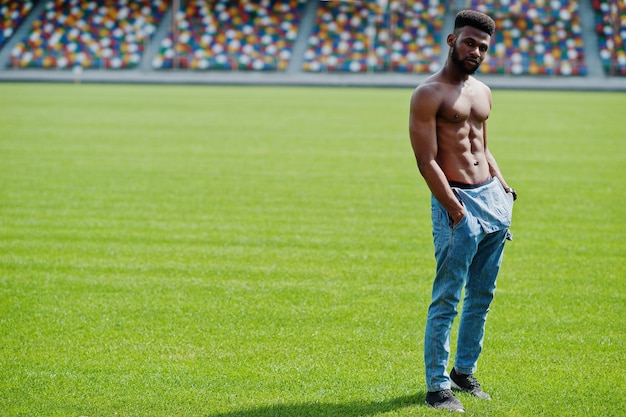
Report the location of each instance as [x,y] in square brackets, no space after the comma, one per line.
[351,409]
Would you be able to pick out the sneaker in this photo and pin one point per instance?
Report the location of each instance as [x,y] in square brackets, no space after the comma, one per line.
[444,400]
[468,383]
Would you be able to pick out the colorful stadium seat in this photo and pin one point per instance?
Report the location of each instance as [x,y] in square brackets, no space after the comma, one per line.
[89,34]
[399,36]
[12,13]
[232,35]
[610,18]
[534,37]
[345,38]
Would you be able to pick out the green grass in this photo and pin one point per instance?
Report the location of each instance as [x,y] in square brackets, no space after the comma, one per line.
[261,252]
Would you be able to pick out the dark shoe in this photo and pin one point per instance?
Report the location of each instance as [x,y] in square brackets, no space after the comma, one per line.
[444,400]
[468,383]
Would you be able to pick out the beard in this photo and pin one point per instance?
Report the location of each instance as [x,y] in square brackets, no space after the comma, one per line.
[461,64]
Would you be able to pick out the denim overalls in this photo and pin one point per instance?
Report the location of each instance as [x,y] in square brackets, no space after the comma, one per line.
[468,255]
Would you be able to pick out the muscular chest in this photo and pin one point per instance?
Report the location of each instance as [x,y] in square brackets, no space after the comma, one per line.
[466,106]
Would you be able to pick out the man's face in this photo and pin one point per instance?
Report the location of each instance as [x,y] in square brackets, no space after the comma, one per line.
[468,48]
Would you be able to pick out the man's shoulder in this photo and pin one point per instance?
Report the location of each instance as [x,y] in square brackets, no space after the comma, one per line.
[432,87]
[432,81]
[439,82]
[480,84]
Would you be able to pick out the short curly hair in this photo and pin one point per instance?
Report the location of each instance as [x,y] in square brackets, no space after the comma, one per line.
[475,19]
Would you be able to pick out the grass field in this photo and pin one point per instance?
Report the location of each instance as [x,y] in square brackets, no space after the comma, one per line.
[261,252]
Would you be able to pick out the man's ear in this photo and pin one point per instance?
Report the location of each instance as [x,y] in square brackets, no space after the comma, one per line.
[451,38]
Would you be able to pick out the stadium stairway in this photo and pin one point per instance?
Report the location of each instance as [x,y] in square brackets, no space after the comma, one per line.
[21,33]
[299,47]
[590,40]
[448,24]
[153,46]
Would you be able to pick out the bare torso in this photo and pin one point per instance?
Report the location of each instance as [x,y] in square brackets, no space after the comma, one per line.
[460,125]
[448,122]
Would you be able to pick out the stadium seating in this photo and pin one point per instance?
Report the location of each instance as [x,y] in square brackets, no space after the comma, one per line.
[232,35]
[403,36]
[89,34]
[12,13]
[345,38]
[611,29]
[534,37]
[416,32]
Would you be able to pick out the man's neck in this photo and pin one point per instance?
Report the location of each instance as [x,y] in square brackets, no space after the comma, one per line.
[452,73]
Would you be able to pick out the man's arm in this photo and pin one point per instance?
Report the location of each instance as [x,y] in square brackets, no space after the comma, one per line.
[425,103]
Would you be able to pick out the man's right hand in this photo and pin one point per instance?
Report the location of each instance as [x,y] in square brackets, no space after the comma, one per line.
[457,217]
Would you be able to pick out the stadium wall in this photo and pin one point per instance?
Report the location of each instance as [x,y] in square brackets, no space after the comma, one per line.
[616,84]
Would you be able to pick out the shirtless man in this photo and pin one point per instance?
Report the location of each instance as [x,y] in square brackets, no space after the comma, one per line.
[471,207]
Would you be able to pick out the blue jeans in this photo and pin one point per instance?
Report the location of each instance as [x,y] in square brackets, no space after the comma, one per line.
[468,256]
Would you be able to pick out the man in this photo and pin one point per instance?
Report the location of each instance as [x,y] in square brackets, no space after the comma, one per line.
[471,207]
